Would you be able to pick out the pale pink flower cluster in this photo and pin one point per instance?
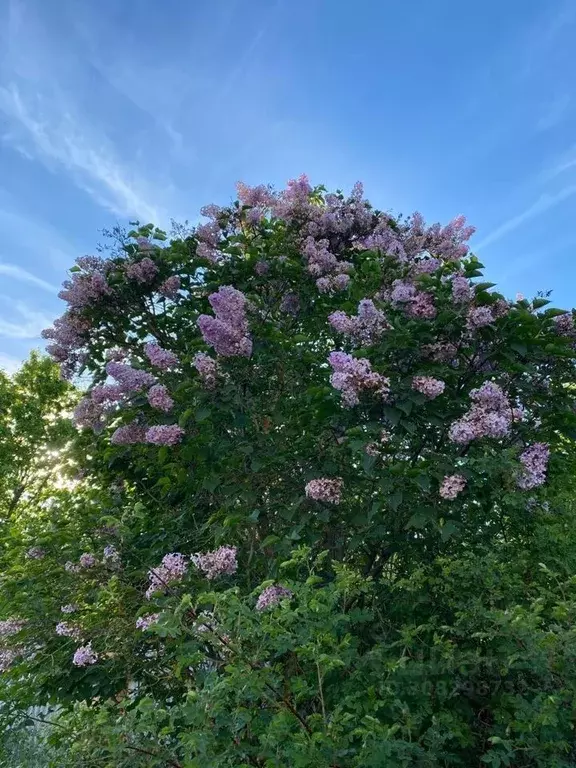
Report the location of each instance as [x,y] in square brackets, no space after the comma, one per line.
[36,553]
[87,560]
[164,434]
[159,357]
[170,287]
[84,656]
[69,608]
[208,369]
[9,627]
[353,375]
[67,629]
[145,622]
[366,327]
[227,332]
[478,317]
[130,434]
[159,398]
[271,596]
[490,416]
[535,464]
[451,486]
[428,386]
[171,570]
[143,271]
[220,562]
[328,489]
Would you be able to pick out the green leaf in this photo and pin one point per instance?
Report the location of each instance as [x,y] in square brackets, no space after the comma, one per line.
[393,415]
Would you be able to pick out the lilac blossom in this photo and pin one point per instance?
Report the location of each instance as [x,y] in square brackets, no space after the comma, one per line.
[170,287]
[440,351]
[88,414]
[428,386]
[145,622]
[366,327]
[159,357]
[130,434]
[490,416]
[9,627]
[71,567]
[402,292]
[84,656]
[461,289]
[220,562]
[164,434]
[564,324]
[111,556]
[333,283]
[130,379]
[208,369]
[67,629]
[144,244]
[171,570]
[87,560]
[36,553]
[271,596]
[227,332]
[7,657]
[353,375]
[535,464]
[451,486]
[261,196]
[290,304]
[478,317]
[69,608]
[143,271]
[261,268]
[159,398]
[328,489]
[106,393]
[426,266]
[421,306]
[84,289]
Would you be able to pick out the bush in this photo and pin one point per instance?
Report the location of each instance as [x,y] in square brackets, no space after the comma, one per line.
[324,516]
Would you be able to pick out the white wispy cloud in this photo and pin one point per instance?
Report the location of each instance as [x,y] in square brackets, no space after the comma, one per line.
[54,135]
[16,272]
[43,86]
[24,322]
[543,204]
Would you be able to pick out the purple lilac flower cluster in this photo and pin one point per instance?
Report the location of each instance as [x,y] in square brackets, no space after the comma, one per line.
[159,398]
[366,327]
[208,369]
[170,287]
[67,629]
[145,622]
[461,289]
[9,627]
[227,332]
[130,379]
[354,375]
[111,556]
[451,486]
[171,570]
[143,271]
[87,560]
[564,324]
[130,434]
[271,596]
[415,303]
[35,553]
[327,489]
[534,462]
[84,656]
[164,434]
[490,416]
[71,567]
[220,562]
[428,386]
[159,357]
[478,317]
[87,287]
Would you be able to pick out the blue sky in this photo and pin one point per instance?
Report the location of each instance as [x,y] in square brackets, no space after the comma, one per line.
[118,109]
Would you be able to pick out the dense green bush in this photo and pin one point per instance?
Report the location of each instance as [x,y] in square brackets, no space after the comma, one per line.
[317,511]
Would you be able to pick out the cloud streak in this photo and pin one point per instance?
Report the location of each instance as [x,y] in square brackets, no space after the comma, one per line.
[29,326]
[12,270]
[543,204]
